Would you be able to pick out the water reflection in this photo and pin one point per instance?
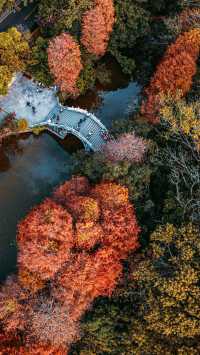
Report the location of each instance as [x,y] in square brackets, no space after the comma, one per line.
[9,150]
[4,161]
[36,166]
[117,104]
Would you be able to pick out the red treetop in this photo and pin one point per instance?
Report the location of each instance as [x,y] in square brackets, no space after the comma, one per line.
[83,208]
[33,350]
[115,228]
[174,73]
[78,185]
[76,243]
[88,234]
[64,60]
[97,25]
[121,230]
[44,239]
[96,275]
[110,195]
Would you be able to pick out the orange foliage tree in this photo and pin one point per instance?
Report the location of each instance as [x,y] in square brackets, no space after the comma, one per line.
[44,241]
[32,350]
[76,241]
[102,216]
[96,275]
[64,59]
[97,25]
[174,74]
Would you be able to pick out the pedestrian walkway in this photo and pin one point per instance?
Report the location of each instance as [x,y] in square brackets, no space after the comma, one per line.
[88,128]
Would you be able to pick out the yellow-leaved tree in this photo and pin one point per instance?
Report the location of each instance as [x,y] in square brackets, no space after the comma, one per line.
[158,312]
[14,55]
[6,5]
[169,317]
[182,117]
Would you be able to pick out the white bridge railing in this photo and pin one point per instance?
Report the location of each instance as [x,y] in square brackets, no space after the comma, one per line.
[92,140]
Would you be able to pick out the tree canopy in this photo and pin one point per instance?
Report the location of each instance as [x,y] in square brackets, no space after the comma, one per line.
[159,311]
[14,55]
[64,60]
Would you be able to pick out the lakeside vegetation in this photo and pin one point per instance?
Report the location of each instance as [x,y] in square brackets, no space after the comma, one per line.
[110,262]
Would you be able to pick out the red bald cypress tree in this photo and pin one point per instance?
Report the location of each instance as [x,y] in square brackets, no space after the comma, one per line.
[44,241]
[174,74]
[96,275]
[97,26]
[64,59]
[76,241]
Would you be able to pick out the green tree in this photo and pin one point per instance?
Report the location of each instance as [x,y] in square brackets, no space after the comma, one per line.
[132,22]
[60,15]
[163,7]
[39,65]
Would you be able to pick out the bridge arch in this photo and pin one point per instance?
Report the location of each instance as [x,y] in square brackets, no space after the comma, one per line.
[62,121]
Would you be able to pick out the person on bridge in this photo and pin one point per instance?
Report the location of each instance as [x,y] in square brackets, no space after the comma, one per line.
[90,133]
[83,119]
[79,124]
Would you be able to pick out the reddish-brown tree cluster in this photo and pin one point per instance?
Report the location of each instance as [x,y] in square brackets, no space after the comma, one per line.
[96,275]
[64,59]
[70,252]
[33,350]
[44,241]
[174,74]
[97,24]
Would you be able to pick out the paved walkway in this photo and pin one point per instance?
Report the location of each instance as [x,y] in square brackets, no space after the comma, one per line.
[40,107]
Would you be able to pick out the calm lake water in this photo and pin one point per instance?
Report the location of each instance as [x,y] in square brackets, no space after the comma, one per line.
[30,167]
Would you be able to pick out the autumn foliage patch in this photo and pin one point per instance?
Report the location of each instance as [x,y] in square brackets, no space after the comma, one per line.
[64,59]
[127,147]
[44,240]
[97,25]
[174,73]
[70,249]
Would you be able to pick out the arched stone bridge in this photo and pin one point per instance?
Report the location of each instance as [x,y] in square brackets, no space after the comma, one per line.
[85,126]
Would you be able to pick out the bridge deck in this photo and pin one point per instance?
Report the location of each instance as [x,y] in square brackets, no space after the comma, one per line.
[64,120]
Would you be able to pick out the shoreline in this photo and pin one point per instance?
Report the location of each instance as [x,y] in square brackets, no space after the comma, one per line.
[7,135]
